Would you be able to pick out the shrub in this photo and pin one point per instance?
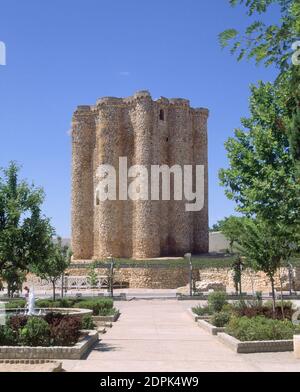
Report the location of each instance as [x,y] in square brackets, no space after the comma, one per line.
[16,303]
[201,310]
[46,303]
[66,302]
[253,309]
[7,336]
[220,319]
[35,333]
[87,322]
[217,300]
[17,322]
[260,328]
[67,332]
[53,319]
[100,307]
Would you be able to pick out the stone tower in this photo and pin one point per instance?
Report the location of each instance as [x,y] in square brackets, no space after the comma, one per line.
[147,132]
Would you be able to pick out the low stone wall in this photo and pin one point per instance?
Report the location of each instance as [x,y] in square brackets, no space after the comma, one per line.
[264,346]
[204,324]
[175,277]
[108,319]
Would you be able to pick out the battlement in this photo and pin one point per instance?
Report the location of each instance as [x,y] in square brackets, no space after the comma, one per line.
[138,96]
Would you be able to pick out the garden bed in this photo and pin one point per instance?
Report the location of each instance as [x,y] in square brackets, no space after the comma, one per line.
[78,351]
[262,346]
[207,326]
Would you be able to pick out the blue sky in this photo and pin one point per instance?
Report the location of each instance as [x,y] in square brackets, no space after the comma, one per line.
[62,53]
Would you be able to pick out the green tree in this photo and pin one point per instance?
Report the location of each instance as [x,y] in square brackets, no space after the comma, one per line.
[25,235]
[264,248]
[272,44]
[268,43]
[92,277]
[261,177]
[231,227]
[54,265]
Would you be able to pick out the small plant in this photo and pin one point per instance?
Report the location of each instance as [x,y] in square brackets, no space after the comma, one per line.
[53,319]
[92,277]
[35,333]
[67,332]
[87,322]
[202,310]
[7,336]
[255,308]
[17,322]
[47,303]
[14,304]
[220,319]
[217,300]
[99,306]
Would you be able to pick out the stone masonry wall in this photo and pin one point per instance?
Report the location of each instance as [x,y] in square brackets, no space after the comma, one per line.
[172,278]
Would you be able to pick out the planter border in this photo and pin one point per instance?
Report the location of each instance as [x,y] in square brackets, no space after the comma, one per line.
[207,326]
[108,319]
[195,317]
[263,346]
[78,351]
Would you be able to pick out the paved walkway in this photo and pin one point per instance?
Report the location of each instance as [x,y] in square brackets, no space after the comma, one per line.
[159,335]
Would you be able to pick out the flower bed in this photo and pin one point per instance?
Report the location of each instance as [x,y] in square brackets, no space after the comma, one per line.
[53,336]
[53,329]
[77,351]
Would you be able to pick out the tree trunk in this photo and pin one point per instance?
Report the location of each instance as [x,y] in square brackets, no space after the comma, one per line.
[273,294]
[53,286]
[281,292]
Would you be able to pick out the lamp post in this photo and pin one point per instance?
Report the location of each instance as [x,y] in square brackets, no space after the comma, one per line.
[111,277]
[188,256]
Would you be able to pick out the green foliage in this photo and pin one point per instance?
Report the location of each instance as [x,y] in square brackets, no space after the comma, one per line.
[87,322]
[220,319]
[100,307]
[262,42]
[255,308]
[202,310]
[261,177]
[58,260]
[217,300]
[16,303]
[230,227]
[273,45]
[262,180]
[7,336]
[260,328]
[35,333]
[25,236]
[60,303]
[92,277]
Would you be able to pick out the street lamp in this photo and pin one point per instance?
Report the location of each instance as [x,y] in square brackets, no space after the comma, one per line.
[111,277]
[188,256]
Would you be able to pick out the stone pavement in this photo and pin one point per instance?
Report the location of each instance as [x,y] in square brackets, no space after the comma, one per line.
[159,335]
